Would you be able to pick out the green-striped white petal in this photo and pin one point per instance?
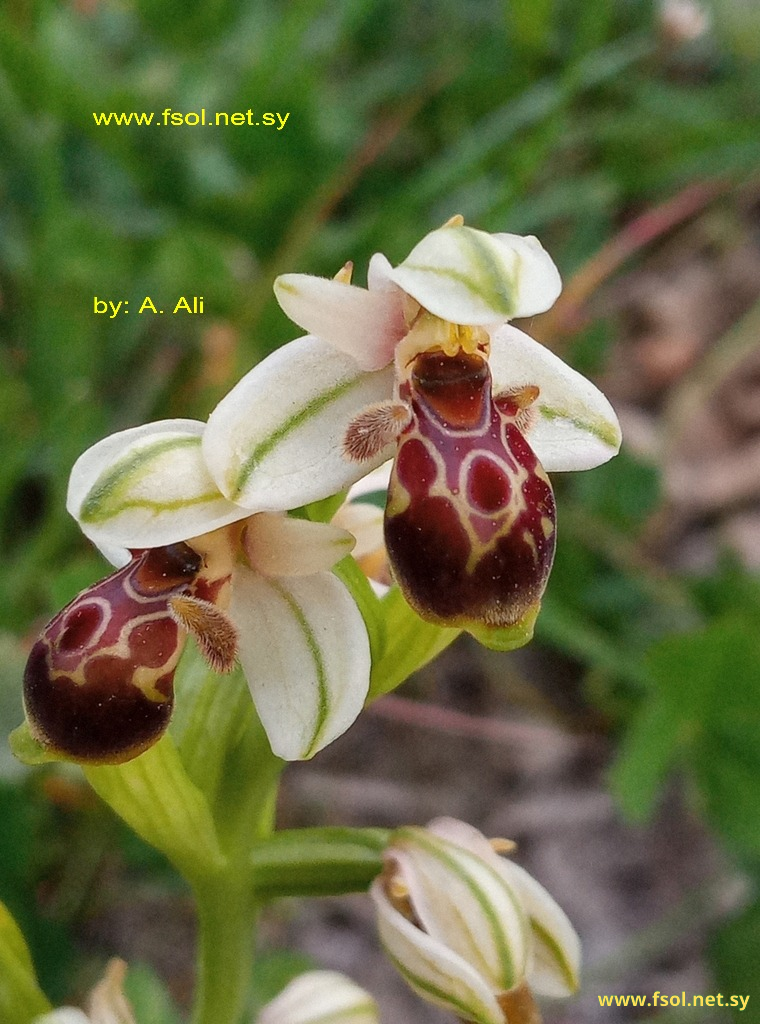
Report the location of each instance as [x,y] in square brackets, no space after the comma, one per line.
[468,276]
[461,900]
[556,964]
[437,974]
[554,967]
[321,997]
[148,486]
[305,652]
[275,441]
[575,426]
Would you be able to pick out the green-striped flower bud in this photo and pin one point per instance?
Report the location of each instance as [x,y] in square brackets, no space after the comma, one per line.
[469,930]
[321,997]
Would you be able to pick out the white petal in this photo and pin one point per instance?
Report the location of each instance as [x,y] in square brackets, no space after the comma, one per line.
[146,487]
[364,324]
[433,971]
[556,966]
[277,545]
[305,653]
[576,427]
[462,900]
[321,997]
[276,440]
[470,277]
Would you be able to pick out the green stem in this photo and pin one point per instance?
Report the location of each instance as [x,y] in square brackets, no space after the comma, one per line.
[227,916]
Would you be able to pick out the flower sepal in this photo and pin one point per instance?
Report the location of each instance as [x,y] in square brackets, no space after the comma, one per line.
[146,487]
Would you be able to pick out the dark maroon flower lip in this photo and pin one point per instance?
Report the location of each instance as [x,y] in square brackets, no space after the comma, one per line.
[470,517]
[98,685]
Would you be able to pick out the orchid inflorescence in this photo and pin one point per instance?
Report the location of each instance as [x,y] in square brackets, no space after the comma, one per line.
[422,367]
[238,532]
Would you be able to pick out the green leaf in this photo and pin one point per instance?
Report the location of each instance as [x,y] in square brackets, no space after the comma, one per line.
[647,753]
[20,997]
[410,643]
[156,797]
[323,511]
[733,953]
[703,709]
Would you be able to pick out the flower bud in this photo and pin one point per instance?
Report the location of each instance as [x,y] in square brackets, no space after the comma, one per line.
[470,931]
[321,997]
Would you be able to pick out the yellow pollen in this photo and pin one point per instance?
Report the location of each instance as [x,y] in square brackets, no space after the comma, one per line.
[500,845]
[463,338]
[432,334]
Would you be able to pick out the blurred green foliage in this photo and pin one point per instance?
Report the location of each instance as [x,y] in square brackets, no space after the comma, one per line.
[557,117]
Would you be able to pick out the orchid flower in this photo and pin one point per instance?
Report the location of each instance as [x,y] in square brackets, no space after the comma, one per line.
[98,685]
[468,929]
[423,367]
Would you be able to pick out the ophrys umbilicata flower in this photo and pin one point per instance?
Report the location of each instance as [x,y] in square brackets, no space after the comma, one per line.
[98,685]
[423,365]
